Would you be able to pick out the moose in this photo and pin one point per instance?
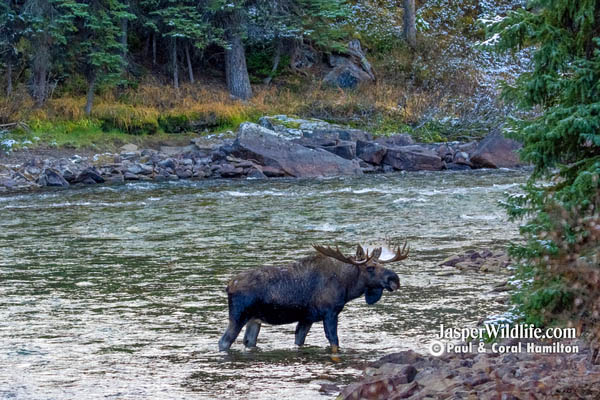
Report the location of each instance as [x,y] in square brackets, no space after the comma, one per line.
[312,289]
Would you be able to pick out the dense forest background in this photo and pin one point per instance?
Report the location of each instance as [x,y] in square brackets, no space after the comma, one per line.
[106,67]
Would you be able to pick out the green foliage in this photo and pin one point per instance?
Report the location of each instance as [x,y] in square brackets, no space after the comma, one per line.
[260,64]
[560,130]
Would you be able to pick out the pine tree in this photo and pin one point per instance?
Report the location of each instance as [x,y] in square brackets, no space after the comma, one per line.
[560,128]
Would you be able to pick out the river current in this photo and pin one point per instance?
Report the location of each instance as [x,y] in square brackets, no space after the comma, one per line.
[117,292]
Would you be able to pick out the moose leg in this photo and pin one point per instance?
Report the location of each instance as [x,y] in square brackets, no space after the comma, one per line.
[252,330]
[301,331]
[232,332]
[330,325]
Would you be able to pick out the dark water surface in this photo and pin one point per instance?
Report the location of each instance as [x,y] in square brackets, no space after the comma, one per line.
[117,292]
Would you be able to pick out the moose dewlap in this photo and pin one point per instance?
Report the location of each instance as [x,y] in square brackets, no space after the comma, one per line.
[312,289]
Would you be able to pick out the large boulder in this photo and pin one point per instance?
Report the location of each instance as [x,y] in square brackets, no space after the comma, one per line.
[349,69]
[413,158]
[496,151]
[269,149]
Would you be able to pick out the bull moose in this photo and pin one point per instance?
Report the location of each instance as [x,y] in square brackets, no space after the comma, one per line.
[312,289]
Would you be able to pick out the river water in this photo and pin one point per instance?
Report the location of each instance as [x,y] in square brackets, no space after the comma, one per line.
[118,291]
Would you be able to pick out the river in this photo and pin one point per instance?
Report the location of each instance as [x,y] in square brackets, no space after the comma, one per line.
[118,291]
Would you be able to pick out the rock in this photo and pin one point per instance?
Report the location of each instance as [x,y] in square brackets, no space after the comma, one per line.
[128,176]
[229,171]
[89,175]
[370,152]
[349,69]
[51,177]
[329,388]
[315,142]
[413,158]
[452,261]
[168,163]
[268,148]
[272,172]
[344,149]
[183,173]
[445,152]
[376,387]
[8,183]
[461,157]
[171,151]
[255,173]
[397,140]
[495,151]
[402,357]
[140,169]
[129,147]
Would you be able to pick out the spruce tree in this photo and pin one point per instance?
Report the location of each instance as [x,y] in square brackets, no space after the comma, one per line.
[98,48]
[559,125]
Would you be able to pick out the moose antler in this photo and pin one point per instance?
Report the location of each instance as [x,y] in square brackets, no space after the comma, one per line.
[337,254]
[400,254]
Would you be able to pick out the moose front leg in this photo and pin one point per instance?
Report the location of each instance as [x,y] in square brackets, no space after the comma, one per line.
[330,325]
[232,332]
[301,331]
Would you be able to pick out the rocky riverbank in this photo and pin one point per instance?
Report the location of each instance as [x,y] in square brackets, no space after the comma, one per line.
[514,374]
[278,146]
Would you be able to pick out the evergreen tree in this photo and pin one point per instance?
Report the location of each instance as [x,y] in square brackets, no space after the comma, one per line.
[188,23]
[9,36]
[560,130]
[46,24]
[99,50]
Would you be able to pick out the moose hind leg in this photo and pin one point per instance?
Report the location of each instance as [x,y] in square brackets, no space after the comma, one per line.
[252,330]
[232,332]
[301,331]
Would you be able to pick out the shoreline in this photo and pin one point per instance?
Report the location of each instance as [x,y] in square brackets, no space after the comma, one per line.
[483,374]
[277,147]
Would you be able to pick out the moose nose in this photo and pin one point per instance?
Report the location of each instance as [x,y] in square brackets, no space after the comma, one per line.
[392,282]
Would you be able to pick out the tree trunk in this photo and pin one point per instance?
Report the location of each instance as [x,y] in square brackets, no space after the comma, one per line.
[147,47]
[41,61]
[236,71]
[124,38]
[410,25]
[9,87]
[90,94]
[174,66]
[189,63]
[276,59]
[154,48]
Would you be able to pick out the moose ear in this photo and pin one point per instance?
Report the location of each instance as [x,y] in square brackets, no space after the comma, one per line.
[372,295]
